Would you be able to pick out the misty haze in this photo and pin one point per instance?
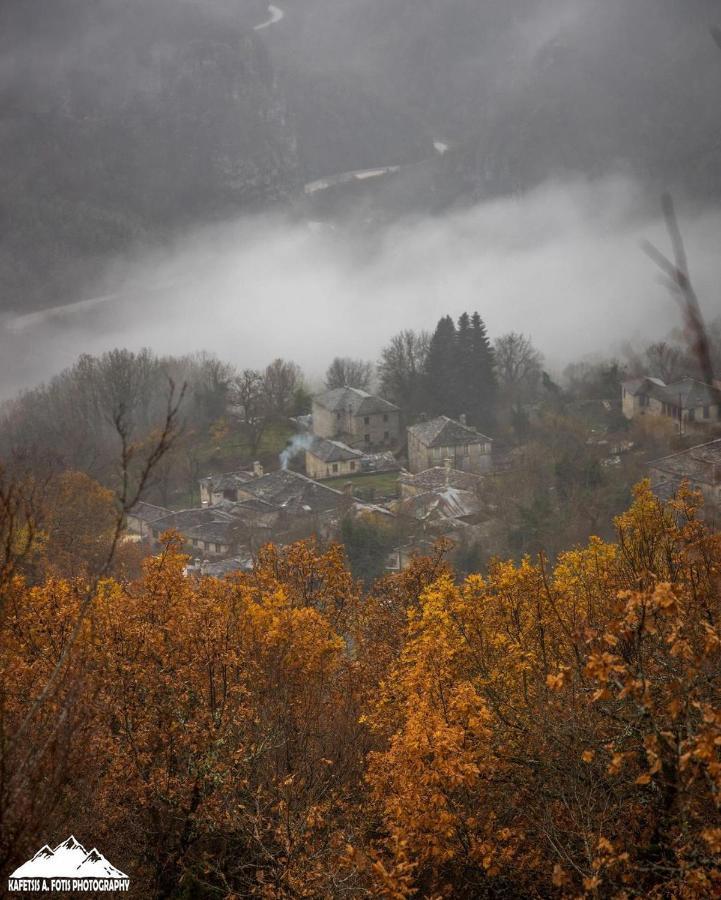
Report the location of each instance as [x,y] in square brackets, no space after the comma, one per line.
[360,447]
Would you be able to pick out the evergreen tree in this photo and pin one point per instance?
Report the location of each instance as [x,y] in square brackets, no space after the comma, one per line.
[442,371]
[482,377]
[464,364]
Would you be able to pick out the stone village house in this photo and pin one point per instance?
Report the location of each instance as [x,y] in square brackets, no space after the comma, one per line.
[356,418]
[330,459]
[686,404]
[431,443]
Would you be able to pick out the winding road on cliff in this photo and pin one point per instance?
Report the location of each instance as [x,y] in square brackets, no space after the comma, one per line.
[275,15]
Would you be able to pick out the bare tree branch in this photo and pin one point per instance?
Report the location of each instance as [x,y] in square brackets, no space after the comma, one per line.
[127,497]
[679,281]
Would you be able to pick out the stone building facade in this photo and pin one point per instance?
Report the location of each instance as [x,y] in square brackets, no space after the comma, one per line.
[431,443]
[685,405]
[356,418]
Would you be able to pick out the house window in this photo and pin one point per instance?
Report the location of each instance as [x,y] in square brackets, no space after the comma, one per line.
[385,417]
[352,466]
[692,415]
[366,420]
[465,449]
[335,467]
[386,435]
[706,412]
[367,438]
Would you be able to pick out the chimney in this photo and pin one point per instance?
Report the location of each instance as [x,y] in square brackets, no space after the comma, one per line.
[257,469]
[462,418]
[448,464]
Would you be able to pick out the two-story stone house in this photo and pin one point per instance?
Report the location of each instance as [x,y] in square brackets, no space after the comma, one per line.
[356,418]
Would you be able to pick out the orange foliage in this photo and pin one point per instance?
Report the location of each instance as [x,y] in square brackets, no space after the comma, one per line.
[536,732]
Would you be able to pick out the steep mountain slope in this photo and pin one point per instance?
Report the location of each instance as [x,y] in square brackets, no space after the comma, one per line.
[122,122]
[524,90]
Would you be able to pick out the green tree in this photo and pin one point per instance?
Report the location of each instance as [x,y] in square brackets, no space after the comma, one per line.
[367,545]
[482,377]
[442,370]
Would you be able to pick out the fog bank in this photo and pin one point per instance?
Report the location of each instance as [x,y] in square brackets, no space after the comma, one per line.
[562,264]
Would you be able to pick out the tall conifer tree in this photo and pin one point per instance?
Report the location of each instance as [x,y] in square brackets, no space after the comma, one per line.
[441,370]
[464,365]
[483,376]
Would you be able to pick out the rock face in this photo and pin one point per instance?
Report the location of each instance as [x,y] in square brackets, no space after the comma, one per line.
[124,121]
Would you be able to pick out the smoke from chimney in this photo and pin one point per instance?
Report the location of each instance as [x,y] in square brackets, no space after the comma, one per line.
[297,444]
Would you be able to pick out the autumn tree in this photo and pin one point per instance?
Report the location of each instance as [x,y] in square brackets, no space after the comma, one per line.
[554,732]
[79,523]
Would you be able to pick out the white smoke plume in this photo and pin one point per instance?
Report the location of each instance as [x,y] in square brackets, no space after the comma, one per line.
[299,443]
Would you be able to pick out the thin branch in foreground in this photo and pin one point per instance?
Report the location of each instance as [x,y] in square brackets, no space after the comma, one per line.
[126,498]
[679,282]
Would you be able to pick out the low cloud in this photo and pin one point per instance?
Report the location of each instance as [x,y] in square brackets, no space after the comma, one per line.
[562,264]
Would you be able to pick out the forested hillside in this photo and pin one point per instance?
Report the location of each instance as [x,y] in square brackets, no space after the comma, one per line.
[122,123]
[125,122]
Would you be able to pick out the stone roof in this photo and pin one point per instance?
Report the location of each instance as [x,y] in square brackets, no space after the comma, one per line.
[184,519]
[635,385]
[220,568]
[445,432]
[292,491]
[333,451]
[360,403]
[440,477]
[251,504]
[668,489]
[686,392]
[226,480]
[219,532]
[691,392]
[147,512]
[699,464]
[449,503]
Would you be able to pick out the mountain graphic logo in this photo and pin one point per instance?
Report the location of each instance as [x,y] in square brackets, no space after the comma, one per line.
[68,867]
